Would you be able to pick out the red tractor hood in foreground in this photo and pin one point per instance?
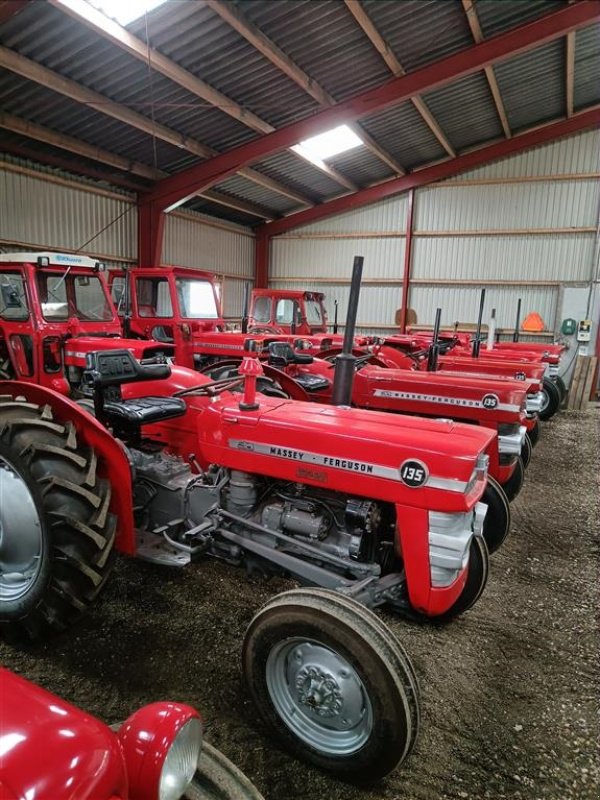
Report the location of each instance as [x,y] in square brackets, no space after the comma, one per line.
[51,750]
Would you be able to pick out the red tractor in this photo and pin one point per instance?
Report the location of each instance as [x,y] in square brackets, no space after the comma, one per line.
[285,311]
[103,453]
[52,750]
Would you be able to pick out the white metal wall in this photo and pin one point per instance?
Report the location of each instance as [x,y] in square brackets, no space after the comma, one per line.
[525,225]
[44,210]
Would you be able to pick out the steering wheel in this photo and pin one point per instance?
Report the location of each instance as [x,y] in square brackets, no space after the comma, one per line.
[213,388]
[265,329]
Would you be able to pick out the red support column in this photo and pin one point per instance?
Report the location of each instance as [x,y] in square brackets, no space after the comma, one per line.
[151,225]
[261,260]
[407,260]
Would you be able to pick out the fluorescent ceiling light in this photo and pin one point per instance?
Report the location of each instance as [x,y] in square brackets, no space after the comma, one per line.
[325,145]
[125,11]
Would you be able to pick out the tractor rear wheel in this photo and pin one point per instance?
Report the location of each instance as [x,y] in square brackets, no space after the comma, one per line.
[477,576]
[551,402]
[514,484]
[534,434]
[217,778]
[332,683]
[56,532]
[496,525]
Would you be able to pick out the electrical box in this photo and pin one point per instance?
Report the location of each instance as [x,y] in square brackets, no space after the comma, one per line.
[584,330]
[568,327]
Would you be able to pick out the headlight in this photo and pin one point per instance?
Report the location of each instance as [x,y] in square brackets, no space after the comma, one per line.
[161,745]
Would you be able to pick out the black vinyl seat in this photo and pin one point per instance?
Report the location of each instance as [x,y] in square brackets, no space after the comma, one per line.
[107,371]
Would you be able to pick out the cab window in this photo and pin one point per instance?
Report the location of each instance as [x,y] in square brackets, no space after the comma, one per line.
[65,295]
[313,313]
[196,299]
[13,300]
[153,297]
[262,309]
[287,311]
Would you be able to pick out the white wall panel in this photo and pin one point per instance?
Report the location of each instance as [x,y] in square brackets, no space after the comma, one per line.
[463,305]
[333,258]
[575,154]
[389,215]
[556,257]
[191,243]
[559,204]
[51,215]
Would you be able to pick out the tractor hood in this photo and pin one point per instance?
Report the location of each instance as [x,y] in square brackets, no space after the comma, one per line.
[352,450]
[52,749]
[487,368]
[435,392]
[78,347]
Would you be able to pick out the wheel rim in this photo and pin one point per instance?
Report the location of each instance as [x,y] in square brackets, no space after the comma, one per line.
[545,400]
[21,540]
[319,696]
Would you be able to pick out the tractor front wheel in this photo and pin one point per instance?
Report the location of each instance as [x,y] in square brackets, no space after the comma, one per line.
[217,778]
[514,484]
[56,532]
[526,450]
[332,683]
[496,525]
[551,401]
[477,576]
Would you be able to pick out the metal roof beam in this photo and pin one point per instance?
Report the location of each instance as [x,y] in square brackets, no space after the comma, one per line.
[75,91]
[473,21]
[385,51]
[172,191]
[39,133]
[8,9]
[109,29]
[589,118]
[234,17]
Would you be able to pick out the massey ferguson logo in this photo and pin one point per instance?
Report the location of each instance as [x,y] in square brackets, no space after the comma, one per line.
[519,376]
[490,401]
[413,473]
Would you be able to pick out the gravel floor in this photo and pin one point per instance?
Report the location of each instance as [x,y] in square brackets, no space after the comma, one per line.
[510,691]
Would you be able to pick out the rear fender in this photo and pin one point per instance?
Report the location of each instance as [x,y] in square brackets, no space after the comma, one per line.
[112,459]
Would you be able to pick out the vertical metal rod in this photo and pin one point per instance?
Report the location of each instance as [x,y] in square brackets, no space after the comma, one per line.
[434,350]
[335,316]
[477,342]
[518,321]
[127,304]
[407,260]
[246,309]
[344,363]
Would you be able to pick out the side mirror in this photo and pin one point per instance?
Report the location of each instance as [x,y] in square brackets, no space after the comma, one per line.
[10,296]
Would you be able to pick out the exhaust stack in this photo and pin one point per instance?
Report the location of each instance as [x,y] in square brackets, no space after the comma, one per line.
[246,307]
[518,321]
[344,363]
[434,350]
[477,340]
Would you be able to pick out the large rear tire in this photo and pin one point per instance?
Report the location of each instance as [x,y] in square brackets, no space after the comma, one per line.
[496,525]
[56,532]
[217,778]
[332,683]
[551,402]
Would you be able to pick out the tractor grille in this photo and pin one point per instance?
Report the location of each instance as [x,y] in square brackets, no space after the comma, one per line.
[449,541]
[535,403]
[510,439]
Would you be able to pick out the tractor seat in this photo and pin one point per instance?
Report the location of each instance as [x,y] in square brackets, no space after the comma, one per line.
[107,371]
[312,383]
[139,411]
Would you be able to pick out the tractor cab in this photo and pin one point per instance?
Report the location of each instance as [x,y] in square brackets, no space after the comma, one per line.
[54,308]
[168,304]
[283,311]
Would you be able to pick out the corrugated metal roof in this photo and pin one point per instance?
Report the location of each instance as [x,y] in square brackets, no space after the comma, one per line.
[218,210]
[477,120]
[532,85]
[420,32]
[587,66]
[403,133]
[495,16]
[323,38]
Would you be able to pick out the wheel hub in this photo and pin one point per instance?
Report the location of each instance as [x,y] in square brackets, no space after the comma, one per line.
[320,691]
[319,695]
[20,535]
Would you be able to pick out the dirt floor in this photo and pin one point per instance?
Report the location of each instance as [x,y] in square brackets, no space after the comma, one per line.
[510,691]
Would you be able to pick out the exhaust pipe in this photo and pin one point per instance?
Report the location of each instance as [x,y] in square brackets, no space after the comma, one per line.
[344,363]
[246,307]
[434,350]
[477,341]
[518,321]
[335,316]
